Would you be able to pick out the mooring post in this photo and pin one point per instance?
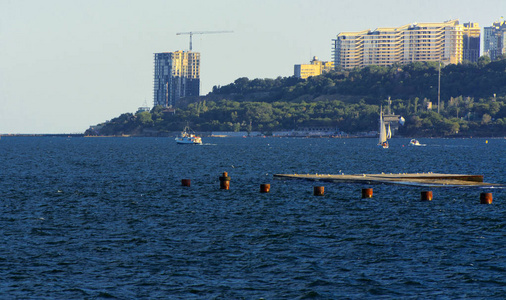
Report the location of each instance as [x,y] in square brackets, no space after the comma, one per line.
[486,198]
[366,193]
[265,188]
[426,196]
[224,181]
[318,190]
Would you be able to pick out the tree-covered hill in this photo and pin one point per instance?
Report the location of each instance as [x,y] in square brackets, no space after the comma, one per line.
[473,103]
[374,83]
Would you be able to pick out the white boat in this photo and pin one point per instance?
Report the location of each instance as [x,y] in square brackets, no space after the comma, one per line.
[415,142]
[383,143]
[188,137]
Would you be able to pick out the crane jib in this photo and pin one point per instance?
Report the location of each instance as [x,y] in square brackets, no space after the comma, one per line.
[191,33]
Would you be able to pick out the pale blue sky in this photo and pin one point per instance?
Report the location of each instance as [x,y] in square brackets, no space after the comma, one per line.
[65,65]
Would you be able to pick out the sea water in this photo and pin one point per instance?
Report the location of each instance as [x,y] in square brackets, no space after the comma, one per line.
[109,218]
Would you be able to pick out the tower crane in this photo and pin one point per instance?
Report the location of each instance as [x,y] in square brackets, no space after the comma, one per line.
[191,33]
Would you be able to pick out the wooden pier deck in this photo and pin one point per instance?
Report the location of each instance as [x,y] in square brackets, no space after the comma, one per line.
[415,179]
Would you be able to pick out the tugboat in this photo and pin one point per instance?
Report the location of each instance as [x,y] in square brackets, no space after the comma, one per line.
[189,137]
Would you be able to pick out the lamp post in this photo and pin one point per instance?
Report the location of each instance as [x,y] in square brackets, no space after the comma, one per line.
[439,86]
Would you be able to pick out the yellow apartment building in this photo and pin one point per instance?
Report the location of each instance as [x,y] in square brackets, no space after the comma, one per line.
[409,43]
[315,68]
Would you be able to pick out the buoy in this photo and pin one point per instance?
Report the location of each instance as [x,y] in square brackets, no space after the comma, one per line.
[185,182]
[426,196]
[224,181]
[486,198]
[318,190]
[265,188]
[366,193]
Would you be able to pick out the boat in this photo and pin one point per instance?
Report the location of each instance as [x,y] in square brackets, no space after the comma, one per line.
[415,142]
[188,137]
[383,140]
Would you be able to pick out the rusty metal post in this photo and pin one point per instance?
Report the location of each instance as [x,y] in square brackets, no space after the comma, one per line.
[486,198]
[426,196]
[318,190]
[265,188]
[224,181]
[367,193]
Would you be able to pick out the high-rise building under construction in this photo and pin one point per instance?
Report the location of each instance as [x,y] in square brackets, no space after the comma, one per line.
[409,43]
[177,75]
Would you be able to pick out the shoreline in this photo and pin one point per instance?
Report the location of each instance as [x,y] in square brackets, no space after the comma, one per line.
[262,136]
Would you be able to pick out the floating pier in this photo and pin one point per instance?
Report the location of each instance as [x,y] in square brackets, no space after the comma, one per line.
[414,179]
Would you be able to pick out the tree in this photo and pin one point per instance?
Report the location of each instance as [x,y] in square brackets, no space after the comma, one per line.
[145,118]
[233,115]
[486,119]
[416,105]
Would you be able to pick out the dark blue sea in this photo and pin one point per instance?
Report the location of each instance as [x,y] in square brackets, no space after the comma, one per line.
[94,218]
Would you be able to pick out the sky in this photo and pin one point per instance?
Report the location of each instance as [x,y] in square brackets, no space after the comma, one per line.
[66,65]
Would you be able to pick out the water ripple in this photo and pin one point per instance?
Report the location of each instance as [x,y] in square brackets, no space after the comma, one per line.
[108,218]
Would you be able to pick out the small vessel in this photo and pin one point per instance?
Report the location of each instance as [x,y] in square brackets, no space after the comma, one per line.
[383,143]
[415,142]
[188,137]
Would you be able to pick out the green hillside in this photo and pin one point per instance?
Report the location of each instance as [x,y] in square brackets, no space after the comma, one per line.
[473,97]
